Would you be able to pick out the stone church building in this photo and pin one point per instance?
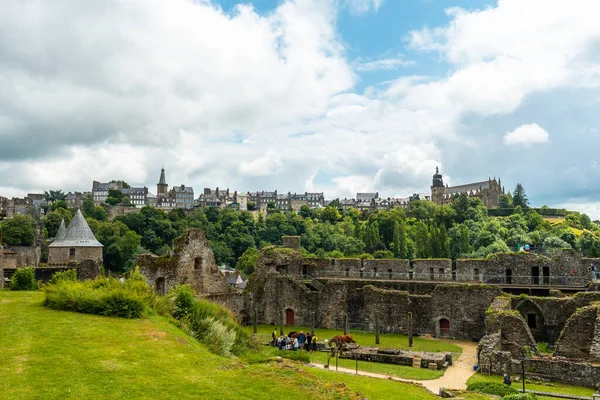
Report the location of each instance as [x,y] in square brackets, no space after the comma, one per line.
[74,244]
[488,191]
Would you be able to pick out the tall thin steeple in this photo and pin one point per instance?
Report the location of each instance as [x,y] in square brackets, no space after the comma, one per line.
[162,187]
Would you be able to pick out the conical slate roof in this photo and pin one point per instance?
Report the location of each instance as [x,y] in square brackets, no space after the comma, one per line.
[61,233]
[162,180]
[78,234]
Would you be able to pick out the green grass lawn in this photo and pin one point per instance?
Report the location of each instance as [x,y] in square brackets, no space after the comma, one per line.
[539,386]
[367,339]
[49,354]
[391,340]
[399,371]
[373,388]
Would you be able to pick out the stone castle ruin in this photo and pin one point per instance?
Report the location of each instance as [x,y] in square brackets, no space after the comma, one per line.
[191,262]
[507,302]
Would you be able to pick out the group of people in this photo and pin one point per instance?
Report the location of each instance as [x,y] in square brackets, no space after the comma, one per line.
[295,341]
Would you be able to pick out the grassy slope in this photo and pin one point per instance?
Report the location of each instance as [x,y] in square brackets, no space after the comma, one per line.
[55,354]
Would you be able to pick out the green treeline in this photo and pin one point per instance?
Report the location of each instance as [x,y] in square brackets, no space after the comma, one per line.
[460,229]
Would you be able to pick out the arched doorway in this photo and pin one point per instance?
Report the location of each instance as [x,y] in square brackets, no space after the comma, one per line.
[159,286]
[289,316]
[444,327]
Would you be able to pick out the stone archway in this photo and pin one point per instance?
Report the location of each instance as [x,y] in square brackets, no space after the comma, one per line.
[534,318]
[160,286]
[289,317]
[444,326]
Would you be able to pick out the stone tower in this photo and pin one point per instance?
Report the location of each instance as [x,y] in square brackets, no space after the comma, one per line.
[162,188]
[437,187]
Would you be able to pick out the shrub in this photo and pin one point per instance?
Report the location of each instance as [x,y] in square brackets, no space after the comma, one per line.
[68,275]
[520,396]
[102,296]
[218,338]
[24,279]
[183,301]
[498,389]
[302,356]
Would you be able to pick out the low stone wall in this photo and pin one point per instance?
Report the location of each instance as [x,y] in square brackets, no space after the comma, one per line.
[26,255]
[394,356]
[432,269]
[470,269]
[387,269]
[1,276]
[557,370]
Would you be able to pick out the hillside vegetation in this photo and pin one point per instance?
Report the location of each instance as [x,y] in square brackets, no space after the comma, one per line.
[53,354]
[464,228]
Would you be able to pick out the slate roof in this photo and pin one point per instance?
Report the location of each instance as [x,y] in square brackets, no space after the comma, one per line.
[162,180]
[62,232]
[78,234]
[468,187]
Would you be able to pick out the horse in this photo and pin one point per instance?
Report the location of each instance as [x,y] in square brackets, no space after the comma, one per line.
[340,339]
[293,335]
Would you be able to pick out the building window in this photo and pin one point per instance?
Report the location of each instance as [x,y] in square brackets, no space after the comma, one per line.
[71,253]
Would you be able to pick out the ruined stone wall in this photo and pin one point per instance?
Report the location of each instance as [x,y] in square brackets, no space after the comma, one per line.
[464,305]
[552,312]
[8,260]
[192,262]
[578,335]
[391,306]
[195,256]
[560,370]
[235,302]
[60,255]
[470,269]
[26,255]
[432,269]
[387,269]
[291,242]
[283,293]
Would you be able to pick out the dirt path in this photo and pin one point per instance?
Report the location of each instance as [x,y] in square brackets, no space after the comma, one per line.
[455,377]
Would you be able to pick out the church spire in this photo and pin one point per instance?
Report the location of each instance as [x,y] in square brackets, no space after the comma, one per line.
[162,180]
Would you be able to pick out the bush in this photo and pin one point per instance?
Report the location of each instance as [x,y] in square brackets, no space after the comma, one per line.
[302,356]
[68,275]
[24,279]
[217,337]
[520,396]
[102,296]
[498,389]
[183,301]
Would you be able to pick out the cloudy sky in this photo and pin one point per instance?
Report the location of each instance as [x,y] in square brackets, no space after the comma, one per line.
[302,95]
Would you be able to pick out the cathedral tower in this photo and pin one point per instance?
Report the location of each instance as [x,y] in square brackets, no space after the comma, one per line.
[437,187]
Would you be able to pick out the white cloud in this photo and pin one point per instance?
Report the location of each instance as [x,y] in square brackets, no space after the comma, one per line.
[526,135]
[255,102]
[363,6]
[385,64]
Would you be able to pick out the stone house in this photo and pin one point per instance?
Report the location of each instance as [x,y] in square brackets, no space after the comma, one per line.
[74,244]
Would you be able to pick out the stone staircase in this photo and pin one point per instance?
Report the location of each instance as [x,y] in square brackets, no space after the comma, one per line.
[313,284]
